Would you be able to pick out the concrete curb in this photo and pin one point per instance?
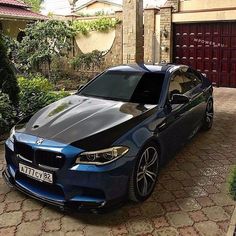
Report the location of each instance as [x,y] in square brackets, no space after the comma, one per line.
[232,226]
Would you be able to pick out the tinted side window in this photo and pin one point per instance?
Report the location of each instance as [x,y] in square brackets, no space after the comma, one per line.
[190,81]
[176,84]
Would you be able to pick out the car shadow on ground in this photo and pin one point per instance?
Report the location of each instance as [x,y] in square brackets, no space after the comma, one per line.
[185,178]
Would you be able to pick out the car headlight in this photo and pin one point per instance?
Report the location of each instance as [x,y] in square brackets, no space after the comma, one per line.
[12,134]
[101,157]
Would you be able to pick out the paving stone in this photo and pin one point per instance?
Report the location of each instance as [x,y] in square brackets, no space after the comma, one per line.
[151,209]
[52,225]
[198,216]
[73,233]
[171,206]
[224,225]
[8,231]
[10,219]
[181,194]
[2,197]
[209,228]
[229,209]
[139,226]
[203,181]
[188,204]
[222,199]
[31,215]
[180,175]
[211,189]
[188,231]
[172,185]
[29,228]
[70,223]
[14,196]
[31,204]
[49,213]
[196,191]
[179,219]
[164,196]
[134,212]
[168,231]
[13,206]
[2,207]
[216,213]
[4,189]
[160,222]
[205,201]
[119,230]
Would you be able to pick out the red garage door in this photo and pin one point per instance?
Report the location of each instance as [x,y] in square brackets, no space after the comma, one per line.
[209,48]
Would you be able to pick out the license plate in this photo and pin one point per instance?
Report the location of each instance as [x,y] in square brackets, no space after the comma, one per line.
[39,175]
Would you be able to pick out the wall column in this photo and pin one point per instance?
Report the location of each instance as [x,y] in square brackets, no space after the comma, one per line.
[166,34]
[118,57]
[133,31]
[150,39]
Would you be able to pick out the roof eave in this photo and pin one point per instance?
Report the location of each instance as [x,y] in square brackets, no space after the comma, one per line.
[22,17]
[91,2]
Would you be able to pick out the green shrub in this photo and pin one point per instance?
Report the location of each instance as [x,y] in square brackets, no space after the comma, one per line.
[87,61]
[232,183]
[35,94]
[7,113]
[8,82]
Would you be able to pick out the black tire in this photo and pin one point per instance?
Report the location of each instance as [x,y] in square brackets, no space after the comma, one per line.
[209,116]
[145,173]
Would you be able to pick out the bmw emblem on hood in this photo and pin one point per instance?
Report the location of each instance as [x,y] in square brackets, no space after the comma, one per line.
[39,141]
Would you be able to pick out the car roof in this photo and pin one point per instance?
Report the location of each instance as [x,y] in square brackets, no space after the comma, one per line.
[157,68]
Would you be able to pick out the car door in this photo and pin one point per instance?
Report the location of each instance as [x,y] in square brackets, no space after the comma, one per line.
[175,128]
[192,88]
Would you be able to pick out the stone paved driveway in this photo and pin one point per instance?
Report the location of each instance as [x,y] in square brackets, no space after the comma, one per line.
[190,199]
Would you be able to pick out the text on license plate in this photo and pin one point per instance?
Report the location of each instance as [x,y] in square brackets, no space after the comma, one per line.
[36,174]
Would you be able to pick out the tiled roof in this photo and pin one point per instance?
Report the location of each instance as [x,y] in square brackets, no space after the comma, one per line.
[16,12]
[13,3]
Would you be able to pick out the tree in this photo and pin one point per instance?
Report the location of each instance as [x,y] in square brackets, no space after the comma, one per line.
[35,4]
[8,81]
[45,41]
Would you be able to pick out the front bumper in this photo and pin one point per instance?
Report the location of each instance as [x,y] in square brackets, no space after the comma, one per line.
[81,187]
[63,205]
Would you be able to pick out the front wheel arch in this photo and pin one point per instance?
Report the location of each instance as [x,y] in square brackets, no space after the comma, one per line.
[133,185]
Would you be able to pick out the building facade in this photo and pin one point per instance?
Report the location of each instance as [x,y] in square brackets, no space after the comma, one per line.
[14,16]
[201,34]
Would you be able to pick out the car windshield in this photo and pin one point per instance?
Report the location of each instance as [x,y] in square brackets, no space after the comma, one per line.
[136,87]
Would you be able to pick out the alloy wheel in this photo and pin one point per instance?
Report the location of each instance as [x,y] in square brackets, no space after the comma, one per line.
[147,171]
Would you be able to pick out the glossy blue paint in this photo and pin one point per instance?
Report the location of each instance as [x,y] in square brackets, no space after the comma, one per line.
[100,186]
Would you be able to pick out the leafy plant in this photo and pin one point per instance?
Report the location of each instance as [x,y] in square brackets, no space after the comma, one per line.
[35,4]
[7,113]
[232,183]
[43,42]
[90,60]
[103,24]
[8,82]
[35,94]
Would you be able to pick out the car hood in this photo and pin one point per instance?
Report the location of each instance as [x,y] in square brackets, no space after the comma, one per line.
[80,121]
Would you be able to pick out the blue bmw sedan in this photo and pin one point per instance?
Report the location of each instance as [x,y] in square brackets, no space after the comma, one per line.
[107,142]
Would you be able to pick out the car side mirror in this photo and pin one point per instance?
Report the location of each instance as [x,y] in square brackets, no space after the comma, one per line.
[179,99]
